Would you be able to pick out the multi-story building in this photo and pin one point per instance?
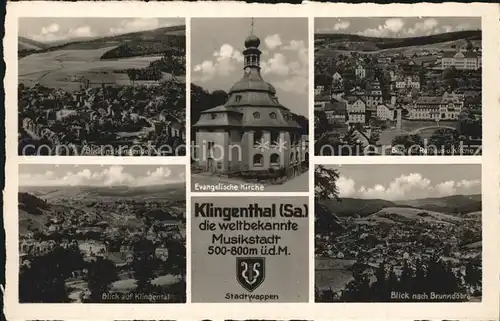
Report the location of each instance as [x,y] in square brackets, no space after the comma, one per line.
[408,82]
[446,107]
[360,72]
[336,112]
[385,112]
[463,60]
[356,111]
[319,89]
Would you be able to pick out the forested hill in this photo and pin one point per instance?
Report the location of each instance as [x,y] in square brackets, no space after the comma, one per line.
[377,43]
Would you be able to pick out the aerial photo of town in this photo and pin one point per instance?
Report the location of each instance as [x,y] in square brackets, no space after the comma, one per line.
[404,233]
[398,86]
[102,234]
[102,86]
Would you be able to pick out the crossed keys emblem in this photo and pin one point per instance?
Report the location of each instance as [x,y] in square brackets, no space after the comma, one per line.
[250,272]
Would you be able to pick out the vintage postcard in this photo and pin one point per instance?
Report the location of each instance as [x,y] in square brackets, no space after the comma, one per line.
[162,162]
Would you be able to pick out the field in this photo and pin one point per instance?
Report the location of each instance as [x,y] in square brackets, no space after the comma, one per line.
[63,68]
[412,215]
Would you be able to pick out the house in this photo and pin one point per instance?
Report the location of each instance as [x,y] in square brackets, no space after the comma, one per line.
[446,107]
[319,89]
[385,112]
[336,112]
[360,72]
[356,110]
[408,82]
[320,102]
[336,78]
[462,60]
[373,100]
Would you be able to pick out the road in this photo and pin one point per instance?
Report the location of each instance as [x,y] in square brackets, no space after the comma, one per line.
[297,184]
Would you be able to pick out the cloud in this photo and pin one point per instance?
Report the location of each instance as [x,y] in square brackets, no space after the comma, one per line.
[226,60]
[426,27]
[346,186]
[394,24]
[53,32]
[138,24]
[52,28]
[395,27]
[56,32]
[409,186]
[108,176]
[295,84]
[341,25]
[273,41]
[277,64]
[291,65]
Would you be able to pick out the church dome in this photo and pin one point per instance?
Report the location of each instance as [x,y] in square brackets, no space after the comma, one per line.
[252,41]
[249,83]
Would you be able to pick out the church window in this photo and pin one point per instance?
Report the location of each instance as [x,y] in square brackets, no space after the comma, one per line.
[256,115]
[238,98]
[258,160]
[213,116]
[257,138]
[275,159]
[272,115]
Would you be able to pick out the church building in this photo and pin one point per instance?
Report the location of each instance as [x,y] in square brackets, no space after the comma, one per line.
[252,131]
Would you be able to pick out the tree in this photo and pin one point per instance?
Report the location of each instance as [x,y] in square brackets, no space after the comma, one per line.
[449,77]
[320,123]
[445,140]
[44,280]
[325,183]
[469,46]
[468,124]
[409,144]
[101,273]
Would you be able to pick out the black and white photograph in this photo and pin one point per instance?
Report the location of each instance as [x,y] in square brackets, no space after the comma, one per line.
[102,86]
[398,86]
[398,233]
[102,234]
[249,104]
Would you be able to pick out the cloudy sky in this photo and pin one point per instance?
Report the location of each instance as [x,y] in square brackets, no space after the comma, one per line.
[402,182]
[97,175]
[57,29]
[217,60]
[395,27]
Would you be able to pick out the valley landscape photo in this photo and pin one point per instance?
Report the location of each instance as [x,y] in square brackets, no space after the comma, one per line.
[102,86]
[102,234]
[398,86]
[398,233]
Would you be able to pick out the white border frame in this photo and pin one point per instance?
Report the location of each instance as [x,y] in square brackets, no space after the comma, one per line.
[487,309]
